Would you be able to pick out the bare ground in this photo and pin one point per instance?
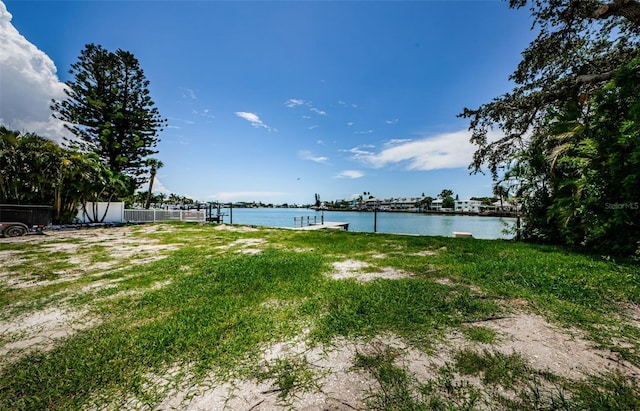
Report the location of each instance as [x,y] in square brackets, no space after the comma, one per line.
[39,329]
[337,384]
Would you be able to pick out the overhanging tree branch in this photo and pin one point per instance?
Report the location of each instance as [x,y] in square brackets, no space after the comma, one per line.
[629,9]
[595,78]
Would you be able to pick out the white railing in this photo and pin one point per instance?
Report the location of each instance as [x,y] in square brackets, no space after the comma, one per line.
[152,216]
[306,221]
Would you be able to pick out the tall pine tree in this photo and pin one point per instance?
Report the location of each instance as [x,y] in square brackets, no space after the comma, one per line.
[109,110]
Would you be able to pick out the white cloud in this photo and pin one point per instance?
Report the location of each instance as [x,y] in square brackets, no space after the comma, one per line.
[253,119]
[345,104]
[294,102]
[396,141]
[188,93]
[318,111]
[350,174]
[181,120]
[360,152]
[250,117]
[313,127]
[308,155]
[451,150]
[158,187]
[28,82]
[394,121]
[204,113]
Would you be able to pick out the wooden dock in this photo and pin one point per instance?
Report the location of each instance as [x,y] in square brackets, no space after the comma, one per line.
[326,225]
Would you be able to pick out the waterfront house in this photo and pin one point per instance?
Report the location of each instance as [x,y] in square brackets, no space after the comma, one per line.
[467,206]
[404,204]
[507,206]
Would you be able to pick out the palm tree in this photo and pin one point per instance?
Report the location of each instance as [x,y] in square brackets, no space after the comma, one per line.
[174,198]
[502,193]
[155,164]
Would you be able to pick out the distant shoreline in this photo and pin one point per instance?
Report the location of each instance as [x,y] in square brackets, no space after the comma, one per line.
[349,210]
[462,213]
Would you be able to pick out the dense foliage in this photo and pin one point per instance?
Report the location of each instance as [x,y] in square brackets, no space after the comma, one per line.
[109,110]
[36,170]
[446,196]
[569,145]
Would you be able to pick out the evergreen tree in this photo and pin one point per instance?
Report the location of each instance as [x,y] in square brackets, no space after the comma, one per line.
[109,110]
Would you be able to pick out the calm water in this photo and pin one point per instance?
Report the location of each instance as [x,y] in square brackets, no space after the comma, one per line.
[397,223]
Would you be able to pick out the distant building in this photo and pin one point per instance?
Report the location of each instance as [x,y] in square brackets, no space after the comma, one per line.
[467,206]
[391,204]
[412,204]
[371,203]
[506,206]
[406,204]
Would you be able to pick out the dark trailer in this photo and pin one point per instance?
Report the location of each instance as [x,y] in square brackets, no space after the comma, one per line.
[17,220]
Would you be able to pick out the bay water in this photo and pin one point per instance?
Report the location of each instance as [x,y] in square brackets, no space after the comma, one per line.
[387,222]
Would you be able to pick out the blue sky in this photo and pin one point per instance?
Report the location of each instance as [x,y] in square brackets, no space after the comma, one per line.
[275,101]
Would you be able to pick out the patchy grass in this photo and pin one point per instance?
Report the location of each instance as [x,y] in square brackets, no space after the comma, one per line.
[394,386]
[291,376]
[481,334]
[206,300]
[494,367]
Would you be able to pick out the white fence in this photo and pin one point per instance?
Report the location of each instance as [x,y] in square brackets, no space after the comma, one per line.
[149,216]
[102,212]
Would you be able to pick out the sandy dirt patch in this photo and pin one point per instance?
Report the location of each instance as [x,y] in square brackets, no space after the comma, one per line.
[339,385]
[244,245]
[336,384]
[239,229]
[547,347]
[116,244]
[39,331]
[426,253]
[631,312]
[358,270]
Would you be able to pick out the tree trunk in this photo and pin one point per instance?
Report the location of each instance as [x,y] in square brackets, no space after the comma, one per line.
[153,176]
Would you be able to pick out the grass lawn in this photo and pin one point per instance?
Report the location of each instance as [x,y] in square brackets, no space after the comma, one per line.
[187,316]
